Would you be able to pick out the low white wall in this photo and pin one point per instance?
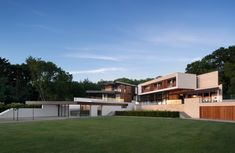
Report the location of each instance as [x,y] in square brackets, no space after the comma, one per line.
[45,111]
[110,110]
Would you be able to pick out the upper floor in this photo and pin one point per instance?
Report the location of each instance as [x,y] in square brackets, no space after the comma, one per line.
[179,81]
[116,91]
[118,86]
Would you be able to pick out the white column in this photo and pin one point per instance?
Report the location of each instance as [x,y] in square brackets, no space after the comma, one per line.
[94,110]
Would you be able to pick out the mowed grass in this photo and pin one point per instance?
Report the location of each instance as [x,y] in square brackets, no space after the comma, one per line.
[118,135]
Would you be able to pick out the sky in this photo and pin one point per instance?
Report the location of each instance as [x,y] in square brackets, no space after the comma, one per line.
[109,39]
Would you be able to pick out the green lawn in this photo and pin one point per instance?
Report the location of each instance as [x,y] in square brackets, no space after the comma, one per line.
[118,135]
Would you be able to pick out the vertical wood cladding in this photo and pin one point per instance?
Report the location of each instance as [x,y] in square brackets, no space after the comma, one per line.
[218,112]
[127,92]
[168,83]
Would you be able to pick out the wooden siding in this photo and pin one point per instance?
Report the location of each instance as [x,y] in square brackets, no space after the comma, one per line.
[108,88]
[217,112]
[164,84]
[127,93]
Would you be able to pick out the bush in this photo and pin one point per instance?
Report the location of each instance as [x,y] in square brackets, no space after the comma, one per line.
[4,107]
[148,113]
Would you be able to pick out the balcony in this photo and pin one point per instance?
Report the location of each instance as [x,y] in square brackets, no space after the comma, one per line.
[113,99]
[160,85]
[167,102]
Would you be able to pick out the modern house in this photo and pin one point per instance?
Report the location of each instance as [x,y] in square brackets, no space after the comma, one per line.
[194,96]
[174,88]
[115,91]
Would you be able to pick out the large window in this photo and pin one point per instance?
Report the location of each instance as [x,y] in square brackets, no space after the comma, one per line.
[146,88]
[171,82]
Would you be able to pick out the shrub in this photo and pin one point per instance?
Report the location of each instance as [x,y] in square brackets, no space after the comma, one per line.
[172,114]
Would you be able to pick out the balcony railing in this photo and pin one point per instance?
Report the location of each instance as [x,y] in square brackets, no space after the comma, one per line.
[167,102]
[113,99]
[208,100]
[154,87]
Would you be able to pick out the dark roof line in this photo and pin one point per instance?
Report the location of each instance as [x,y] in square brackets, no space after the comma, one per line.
[119,82]
[101,91]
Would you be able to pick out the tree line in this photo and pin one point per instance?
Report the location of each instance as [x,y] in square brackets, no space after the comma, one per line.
[39,80]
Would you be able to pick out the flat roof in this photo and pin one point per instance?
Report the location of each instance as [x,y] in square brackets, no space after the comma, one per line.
[119,82]
[190,91]
[200,90]
[159,79]
[102,91]
[81,101]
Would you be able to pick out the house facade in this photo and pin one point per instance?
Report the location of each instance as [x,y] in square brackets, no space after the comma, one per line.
[176,87]
[115,91]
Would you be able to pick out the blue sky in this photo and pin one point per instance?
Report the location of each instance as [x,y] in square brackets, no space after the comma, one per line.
[108,39]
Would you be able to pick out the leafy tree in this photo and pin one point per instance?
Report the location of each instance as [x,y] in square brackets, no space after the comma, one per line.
[223,60]
[5,88]
[79,88]
[51,82]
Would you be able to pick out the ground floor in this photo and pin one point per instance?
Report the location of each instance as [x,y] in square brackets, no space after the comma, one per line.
[191,108]
[178,96]
[195,108]
[77,108]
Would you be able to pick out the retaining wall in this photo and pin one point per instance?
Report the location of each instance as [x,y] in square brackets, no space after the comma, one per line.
[45,111]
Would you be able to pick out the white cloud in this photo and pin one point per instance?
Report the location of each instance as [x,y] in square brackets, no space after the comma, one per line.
[176,39]
[167,58]
[93,56]
[99,70]
[129,56]
[181,36]
[21,5]
[38,26]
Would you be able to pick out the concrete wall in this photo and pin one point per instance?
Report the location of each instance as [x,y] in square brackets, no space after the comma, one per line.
[186,81]
[191,107]
[45,111]
[110,110]
[173,107]
[208,80]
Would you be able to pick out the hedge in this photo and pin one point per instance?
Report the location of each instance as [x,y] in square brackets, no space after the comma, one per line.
[148,113]
[4,107]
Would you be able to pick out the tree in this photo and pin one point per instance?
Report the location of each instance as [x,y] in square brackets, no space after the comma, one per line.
[222,60]
[79,89]
[19,78]
[51,82]
[4,82]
